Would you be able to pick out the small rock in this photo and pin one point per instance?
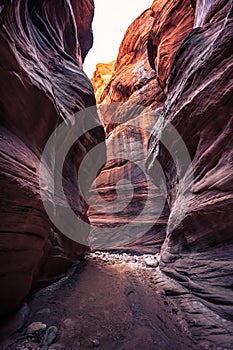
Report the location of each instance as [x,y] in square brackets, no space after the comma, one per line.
[97,252]
[43,311]
[151,262]
[28,346]
[36,328]
[69,323]
[87,257]
[50,335]
[95,342]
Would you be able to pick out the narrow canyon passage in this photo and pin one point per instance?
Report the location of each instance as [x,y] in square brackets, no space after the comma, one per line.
[116,190]
[107,305]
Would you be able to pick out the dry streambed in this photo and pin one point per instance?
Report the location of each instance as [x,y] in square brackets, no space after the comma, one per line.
[109,301]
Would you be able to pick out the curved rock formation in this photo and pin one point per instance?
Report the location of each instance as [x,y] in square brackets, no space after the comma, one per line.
[41,84]
[135,84]
[173,21]
[198,251]
[130,224]
[101,78]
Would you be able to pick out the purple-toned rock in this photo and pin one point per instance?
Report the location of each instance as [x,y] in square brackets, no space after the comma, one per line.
[198,252]
[124,206]
[41,84]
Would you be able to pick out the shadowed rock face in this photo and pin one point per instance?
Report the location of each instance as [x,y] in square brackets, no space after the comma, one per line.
[42,83]
[198,252]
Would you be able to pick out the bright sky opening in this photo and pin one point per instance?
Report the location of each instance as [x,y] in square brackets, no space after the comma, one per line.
[111,20]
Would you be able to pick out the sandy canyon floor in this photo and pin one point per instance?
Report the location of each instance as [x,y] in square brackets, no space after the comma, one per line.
[107,302]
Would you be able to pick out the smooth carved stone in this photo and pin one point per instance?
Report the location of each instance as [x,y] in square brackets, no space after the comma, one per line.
[83,13]
[132,71]
[114,209]
[172,24]
[50,336]
[36,328]
[42,83]
[198,252]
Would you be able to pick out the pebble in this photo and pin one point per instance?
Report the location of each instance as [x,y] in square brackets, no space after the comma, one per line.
[36,328]
[43,311]
[151,262]
[139,261]
[98,252]
[69,323]
[28,346]
[50,335]
[95,342]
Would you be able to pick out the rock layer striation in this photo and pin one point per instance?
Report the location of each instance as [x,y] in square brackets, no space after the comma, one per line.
[124,218]
[200,106]
[42,83]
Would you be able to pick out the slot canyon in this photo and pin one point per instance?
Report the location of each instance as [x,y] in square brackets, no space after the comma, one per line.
[116,190]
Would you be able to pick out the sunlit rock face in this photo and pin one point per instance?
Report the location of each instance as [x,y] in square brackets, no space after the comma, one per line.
[133,77]
[41,84]
[128,118]
[173,21]
[198,252]
[136,82]
[101,78]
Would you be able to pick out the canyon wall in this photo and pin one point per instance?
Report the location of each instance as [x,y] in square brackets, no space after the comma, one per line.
[197,251]
[176,59]
[134,91]
[125,113]
[42,83]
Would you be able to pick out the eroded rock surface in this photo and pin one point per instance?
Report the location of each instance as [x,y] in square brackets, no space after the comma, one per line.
[197,252]
[138,86]
[128,121]
[101,78]
[173,21]
[42,83]
[200,106]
